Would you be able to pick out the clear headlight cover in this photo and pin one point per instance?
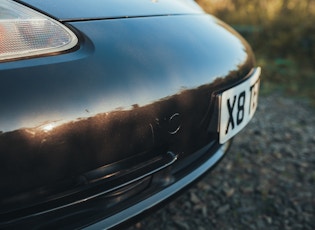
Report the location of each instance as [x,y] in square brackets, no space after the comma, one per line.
[25,32]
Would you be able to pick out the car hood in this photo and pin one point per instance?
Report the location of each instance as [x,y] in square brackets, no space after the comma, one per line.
[77,10]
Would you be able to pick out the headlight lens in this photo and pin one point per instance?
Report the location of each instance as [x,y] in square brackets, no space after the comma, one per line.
[25,32]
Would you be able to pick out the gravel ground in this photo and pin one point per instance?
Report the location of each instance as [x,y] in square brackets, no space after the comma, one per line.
[266,181]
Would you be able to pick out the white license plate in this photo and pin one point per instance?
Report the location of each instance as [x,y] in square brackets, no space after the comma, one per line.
[237,106]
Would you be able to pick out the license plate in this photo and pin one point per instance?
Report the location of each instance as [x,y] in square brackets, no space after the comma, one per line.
[237,106]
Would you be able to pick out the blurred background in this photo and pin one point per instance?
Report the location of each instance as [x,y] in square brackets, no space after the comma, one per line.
[282,35]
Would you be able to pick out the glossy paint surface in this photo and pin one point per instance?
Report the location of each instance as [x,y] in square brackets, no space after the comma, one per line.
[134,86]
[120,64]
[127,78]
[99,9]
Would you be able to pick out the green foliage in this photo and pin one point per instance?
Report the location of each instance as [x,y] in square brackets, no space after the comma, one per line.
[282,34]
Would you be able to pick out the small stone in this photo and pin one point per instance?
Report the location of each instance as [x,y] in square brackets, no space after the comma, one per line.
[194,198]
[203,186]
[268,219]
[260,224]
[247,190]
[214,204]
[181,225]
[223,209]
[278,155]
[229,166]
[229,192]
[204,211]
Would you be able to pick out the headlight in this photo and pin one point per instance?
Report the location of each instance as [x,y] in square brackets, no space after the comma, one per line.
[25,32]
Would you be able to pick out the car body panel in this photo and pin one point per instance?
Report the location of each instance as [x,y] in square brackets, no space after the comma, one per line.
[124,115]
[99,9]
[102,86]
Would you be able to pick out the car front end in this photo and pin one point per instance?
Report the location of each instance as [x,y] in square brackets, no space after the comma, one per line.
[132,105]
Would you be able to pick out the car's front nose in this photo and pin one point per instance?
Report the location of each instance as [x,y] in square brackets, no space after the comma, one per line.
[123,122]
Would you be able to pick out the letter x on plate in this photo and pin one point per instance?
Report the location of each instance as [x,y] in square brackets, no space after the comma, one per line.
[238,105]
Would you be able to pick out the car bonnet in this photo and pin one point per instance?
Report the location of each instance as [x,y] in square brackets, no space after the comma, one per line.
[77,10]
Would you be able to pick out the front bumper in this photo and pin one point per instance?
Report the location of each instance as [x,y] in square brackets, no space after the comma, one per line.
[111,209]
[181,180]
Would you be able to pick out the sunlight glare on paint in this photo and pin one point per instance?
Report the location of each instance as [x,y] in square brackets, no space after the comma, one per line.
[48,127]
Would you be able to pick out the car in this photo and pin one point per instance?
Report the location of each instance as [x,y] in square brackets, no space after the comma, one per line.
[111,108]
